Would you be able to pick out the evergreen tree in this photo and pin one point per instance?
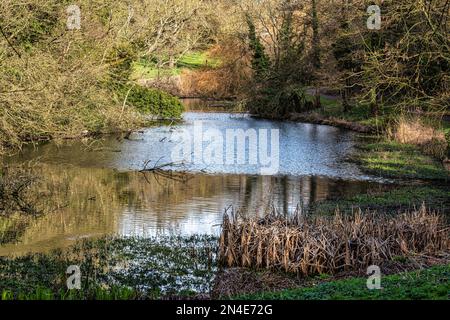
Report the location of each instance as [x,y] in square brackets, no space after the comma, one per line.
[260,61]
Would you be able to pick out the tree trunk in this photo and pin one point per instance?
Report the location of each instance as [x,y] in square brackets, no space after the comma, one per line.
[316,51]
[317,103]
[374,103]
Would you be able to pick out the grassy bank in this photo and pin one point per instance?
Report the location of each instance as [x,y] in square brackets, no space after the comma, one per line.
[428,284]
[405,147]
[186,268]
[145,69]
[401,161]
[391,199]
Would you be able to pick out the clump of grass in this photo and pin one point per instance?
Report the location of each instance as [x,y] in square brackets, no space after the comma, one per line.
[317,245]
[155,102]
[416,131]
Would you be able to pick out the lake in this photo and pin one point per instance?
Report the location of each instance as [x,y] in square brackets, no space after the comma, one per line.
[93,188]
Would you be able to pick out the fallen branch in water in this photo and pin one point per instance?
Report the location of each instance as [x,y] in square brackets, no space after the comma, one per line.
[161,171]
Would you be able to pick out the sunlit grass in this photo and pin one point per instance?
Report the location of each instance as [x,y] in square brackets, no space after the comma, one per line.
[429,284]
[395,160]
[392,200]
[145,69]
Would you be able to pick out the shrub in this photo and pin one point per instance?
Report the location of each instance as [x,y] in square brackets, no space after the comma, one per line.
[155,102]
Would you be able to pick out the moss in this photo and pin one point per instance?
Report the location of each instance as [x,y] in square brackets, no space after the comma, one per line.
[429,284]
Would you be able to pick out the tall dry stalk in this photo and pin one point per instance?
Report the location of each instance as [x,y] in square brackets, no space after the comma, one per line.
[317,245]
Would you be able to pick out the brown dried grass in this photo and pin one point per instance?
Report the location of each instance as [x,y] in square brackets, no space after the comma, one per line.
[413,130]
[316,245]
[229,79]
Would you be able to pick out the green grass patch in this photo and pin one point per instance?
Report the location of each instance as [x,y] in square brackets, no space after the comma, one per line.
[428,284]
[392,200]
[145,69]
[195,60]
[395,160]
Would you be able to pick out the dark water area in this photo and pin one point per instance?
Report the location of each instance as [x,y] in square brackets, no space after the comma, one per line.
[93,187]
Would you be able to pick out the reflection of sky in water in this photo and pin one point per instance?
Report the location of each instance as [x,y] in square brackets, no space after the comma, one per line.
[139,223]
[103,200]
[253,195]
[305,149]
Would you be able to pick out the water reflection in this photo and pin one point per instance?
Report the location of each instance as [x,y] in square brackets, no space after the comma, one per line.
[94,202]
[304,149]
[92,187]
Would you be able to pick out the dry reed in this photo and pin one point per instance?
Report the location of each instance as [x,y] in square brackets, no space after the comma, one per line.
[413,130]
[317,245]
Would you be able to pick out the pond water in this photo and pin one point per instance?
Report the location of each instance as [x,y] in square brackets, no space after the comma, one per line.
[94,187]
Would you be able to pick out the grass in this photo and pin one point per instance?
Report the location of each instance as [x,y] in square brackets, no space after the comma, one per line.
[395,160]
[428,284]
[99,293]
[195,60]
[391,200]
[191,61]
[359,113]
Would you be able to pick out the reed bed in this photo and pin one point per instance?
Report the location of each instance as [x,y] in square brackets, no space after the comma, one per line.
[316,245]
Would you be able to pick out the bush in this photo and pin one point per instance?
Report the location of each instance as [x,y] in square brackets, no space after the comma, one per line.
[54,81]
[274,102]
[155,102]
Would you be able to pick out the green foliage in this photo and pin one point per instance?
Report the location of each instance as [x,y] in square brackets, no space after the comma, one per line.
[147,69]
[260,61]
[428,284]
[280,79]
[280,102]
[154,102]
[121,60]
[145,100]
[196,60]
